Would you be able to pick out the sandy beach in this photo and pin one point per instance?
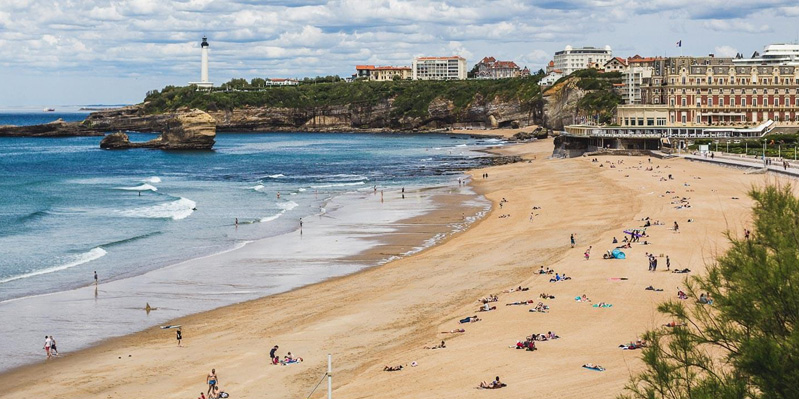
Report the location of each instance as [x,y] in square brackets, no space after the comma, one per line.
[386,315]
[503,132]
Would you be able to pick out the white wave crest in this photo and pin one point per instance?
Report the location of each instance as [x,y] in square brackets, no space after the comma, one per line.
[141,187]
[94,253]
[258,187]
[302,189]
[287,206]
[277,176]
[339,185]
[154,179]
[174,210]
[273,217]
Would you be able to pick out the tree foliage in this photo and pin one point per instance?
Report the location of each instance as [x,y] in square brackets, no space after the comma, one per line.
[409,98]
[746,344]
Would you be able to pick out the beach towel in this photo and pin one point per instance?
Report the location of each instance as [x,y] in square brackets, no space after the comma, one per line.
[606,305]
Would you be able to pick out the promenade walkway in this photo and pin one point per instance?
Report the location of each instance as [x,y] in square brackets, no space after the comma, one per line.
[735,160]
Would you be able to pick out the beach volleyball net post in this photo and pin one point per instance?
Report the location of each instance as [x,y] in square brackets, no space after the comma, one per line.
[329,376]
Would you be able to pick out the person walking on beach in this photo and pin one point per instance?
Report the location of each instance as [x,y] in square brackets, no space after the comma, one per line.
[676,227]
[668,263]
[572,240]
[47,344]
[53,349]
[95,277]
[300,225]
[588,252]
[212,380]
[273,354]
[179,336]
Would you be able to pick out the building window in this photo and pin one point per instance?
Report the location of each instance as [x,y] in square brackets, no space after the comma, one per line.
[709,102]
[721,102]
[684,118]
[671,101]
[754,101]
[683,102]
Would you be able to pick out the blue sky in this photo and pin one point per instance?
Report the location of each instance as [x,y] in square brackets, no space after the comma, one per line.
[56,52]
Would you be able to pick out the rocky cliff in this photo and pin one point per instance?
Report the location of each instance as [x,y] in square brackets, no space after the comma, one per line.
[560,104]
[378,116]
[191,130]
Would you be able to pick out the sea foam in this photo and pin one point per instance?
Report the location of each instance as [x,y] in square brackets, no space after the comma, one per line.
[175,210]
[153,179]
[141,187]
[94,253]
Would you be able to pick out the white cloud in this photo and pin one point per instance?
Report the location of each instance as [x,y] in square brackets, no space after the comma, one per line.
[725,51]
[102,40]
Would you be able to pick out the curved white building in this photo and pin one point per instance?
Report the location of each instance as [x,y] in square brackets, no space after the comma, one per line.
[773,54]
[573,59]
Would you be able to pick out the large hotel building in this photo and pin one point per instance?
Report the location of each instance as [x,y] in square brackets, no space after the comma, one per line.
[439,68]
[713,91]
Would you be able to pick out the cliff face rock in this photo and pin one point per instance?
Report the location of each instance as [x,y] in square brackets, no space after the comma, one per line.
[560,104]
[378,116]
[192,130]
[57,128]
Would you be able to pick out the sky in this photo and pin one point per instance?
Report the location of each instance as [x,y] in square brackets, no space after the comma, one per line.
[63,52]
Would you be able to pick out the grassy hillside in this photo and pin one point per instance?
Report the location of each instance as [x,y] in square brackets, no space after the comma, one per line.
[411,98]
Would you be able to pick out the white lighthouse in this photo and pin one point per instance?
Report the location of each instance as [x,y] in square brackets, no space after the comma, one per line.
[203,83]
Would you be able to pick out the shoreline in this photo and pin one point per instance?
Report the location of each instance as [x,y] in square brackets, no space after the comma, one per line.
[407,237]
[384,315]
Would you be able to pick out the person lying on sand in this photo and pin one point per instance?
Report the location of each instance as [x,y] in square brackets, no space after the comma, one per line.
[651,288]
[527,345]
[540,308]
[593,367]
[496,384]
[547,296]
[582,298]
[547,271]
[633,345]
[442,345]
[686,270]
[528,302]
[551,335]
[392,368]
[486,308]
[490,298]
[681,294]
[470,319]
[673,324]
[455,331]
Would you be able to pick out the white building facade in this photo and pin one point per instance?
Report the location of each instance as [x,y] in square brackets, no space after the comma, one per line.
[574,59]
[439,68]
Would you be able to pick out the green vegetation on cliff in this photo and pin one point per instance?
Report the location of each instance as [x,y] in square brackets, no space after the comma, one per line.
[410,98]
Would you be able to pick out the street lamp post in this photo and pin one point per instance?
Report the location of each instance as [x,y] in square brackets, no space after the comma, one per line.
[764,153]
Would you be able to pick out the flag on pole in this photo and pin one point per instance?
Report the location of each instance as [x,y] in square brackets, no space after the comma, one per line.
[679,43]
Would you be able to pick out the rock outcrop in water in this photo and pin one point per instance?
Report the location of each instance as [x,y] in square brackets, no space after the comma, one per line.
[192,130]
[57,128]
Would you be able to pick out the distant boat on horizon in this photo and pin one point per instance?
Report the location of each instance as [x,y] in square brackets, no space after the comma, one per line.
[49,110]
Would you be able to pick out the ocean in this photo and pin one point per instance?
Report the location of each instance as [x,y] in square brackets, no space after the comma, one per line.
[68,209]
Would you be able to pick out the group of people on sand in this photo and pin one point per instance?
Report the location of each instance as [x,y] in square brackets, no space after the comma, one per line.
[50,347]
[559,277]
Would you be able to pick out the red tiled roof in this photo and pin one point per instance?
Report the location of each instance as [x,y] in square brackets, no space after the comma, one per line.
[392,68]
[441,58]
[280,80]
[551,63]
[359,67]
